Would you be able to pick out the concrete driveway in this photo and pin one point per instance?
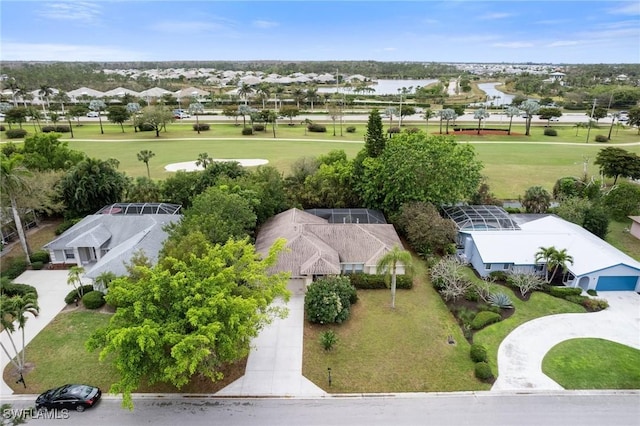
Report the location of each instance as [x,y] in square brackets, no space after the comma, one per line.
[521,352]
[52,288]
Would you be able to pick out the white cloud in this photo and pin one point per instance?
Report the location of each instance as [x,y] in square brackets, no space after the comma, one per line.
[67,52]
[389,49]
[513,45]
[563,43]
[83,12]
[630,8]
[264,24]
[495,15]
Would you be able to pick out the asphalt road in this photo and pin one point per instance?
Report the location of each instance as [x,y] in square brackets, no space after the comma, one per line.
[468,408]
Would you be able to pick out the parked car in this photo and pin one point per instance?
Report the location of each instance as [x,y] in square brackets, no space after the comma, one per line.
[93,114]
[554,119]
[180,115]
[70,397]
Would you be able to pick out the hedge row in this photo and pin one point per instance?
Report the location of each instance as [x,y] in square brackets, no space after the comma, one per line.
[565,291]
[73,294]
[374,282]
[14,289]
[57,129]
[484,318]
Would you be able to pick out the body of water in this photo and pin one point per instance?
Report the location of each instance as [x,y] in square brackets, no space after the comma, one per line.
[386,87]
[494,96]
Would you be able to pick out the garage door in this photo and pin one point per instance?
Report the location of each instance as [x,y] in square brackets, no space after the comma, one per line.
[616,283]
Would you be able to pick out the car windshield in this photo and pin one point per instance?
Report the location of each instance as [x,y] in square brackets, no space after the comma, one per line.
[80,391]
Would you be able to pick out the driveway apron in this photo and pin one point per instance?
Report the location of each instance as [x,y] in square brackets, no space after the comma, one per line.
[274,366]
[521,353]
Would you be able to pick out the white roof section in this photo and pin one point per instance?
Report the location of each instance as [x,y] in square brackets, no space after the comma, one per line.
[85,91]
[589,252]
[121,91]
[154,92]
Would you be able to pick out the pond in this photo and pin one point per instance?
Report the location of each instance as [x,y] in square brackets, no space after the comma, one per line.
[494,96]
[388,87]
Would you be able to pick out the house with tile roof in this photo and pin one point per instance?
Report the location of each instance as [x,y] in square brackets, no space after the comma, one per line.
[318,246]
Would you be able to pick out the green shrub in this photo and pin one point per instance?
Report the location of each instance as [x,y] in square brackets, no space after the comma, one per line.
[550,132]
[48,129]
[16,267]
[201,126]
[592,292]
[146,127]
[393,130]
[351,129]
[40,256]
[328,300]
[412,130]
[478,353]
[63,128]
[489,308]
[37,265]
[73,294]
[247,131]
[328,339]
[465,315]
[376,282]
[317,128]
[16,133]
[484,318]
[595,304]
[483,371]
[561,291]
[601,138]
[258,127]
[14,289]
[93,299]
[576,299]
[471,294]
[2,128]
[499,276]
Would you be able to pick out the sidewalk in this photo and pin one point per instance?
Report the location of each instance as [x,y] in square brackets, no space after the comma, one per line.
[52,288]
[521,353]
[274,367]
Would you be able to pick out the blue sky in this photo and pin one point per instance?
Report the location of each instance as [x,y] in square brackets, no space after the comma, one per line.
[439,31]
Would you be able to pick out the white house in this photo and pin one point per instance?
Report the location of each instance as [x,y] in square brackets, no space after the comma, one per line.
[596,264]
[328,242]
[105,241]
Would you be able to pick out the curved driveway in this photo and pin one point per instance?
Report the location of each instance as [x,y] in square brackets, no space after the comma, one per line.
[521,352]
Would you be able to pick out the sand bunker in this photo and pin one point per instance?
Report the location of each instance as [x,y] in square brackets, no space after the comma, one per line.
[190,166]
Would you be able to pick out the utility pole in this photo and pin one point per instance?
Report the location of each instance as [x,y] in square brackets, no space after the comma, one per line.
[591,118]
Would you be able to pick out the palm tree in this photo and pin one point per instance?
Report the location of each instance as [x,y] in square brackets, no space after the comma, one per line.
[446,114]
[559,260]
[145,155]
[244,110]
[312,95]
[264,91]
[244,91]
[98,105]
[389,264]
[428,114]
[390,112]
[15,309]
[45,92]
[299,95]
[545,254]
[74,278]
[512,112]
[196,108]
[480,115]
[13,181]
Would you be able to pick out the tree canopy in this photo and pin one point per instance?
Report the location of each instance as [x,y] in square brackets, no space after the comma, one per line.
[615,162]
[420,167]
[189,316]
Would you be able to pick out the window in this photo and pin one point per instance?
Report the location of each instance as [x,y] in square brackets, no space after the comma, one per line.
[487,266]
[506,266]
[69,254]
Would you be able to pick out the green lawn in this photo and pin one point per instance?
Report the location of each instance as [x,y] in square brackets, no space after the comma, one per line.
[539,305]
[393,350]
[620,237]
[511,168]
[580,364]
[57,355]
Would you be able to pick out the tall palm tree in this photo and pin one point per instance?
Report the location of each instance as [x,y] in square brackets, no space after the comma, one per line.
[559,260]
[244,110]
[264,91]
[299,95]
[427,115]
[13,181]
[545,254]
[15,309]
[145,155]
[45,92]
[389,264]
[312,95]
[74,278]
[244,91]
[14,86]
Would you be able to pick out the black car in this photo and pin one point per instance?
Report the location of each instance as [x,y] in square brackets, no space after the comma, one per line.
[76,397]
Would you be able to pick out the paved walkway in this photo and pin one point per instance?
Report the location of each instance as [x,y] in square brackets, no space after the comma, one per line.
[521,353]
[52,288]
[274,367]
